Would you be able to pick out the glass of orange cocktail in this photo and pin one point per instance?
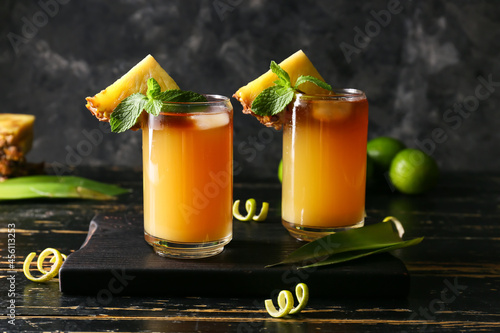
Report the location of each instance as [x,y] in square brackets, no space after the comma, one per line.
[324,163]
[187,163]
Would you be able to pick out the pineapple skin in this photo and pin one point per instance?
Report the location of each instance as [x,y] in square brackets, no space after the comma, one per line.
[134,81]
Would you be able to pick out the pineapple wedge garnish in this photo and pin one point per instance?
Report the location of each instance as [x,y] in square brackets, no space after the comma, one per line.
[296,65]
[134,81]
[16,130]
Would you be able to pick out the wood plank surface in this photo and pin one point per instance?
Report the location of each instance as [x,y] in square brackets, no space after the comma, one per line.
[454,272]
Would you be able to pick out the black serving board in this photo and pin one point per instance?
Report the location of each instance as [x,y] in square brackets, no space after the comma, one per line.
[115,259]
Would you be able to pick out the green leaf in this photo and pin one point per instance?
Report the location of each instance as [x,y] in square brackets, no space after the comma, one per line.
[272,100]
[346,256]
[368,238]
[153,107]
[125,115]
[308,78]
[57,187]
[282,83]
[281,73]
[153,89]
[181,96]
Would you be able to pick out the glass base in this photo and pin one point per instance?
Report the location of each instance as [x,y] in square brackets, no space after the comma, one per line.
[180,250]
[308,233]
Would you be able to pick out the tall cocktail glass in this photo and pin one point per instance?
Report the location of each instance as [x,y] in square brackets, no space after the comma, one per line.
[324,163]
[187,165]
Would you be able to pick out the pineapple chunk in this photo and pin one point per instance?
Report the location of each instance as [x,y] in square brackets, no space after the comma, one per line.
[16,130]
[16,138]
[134,81]
[296,65]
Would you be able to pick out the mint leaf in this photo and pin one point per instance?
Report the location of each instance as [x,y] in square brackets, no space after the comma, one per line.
[308,78]
[282,83]
[272,100]
[153,89]
[180,96]
[177,95]
[284,78]
[153,106]
[125,115]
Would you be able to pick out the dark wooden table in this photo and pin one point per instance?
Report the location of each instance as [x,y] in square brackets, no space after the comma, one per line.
[455,272]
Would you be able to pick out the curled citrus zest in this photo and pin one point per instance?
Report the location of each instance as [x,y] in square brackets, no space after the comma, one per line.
[302,294]
[397,224]
[47,275]
[285,303]
[52,260]
[251,207]
[263,212]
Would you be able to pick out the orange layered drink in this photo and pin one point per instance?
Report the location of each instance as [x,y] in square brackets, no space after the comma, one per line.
[324,145]
[187,151]
[324,163]
[187,165]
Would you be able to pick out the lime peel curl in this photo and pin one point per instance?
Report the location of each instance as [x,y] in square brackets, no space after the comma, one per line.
[397,224]
[251,207]
[57,261]
[285,302]
[263,212]
[302,293]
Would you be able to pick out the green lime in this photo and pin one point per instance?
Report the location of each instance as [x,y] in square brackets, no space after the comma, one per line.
[280,171]
[413,171]
[382,150]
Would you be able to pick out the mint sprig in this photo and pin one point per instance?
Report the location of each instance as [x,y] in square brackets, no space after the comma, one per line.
[274,99]
[125,115]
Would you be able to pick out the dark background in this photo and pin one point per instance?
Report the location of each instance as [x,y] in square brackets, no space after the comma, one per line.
[424,66]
